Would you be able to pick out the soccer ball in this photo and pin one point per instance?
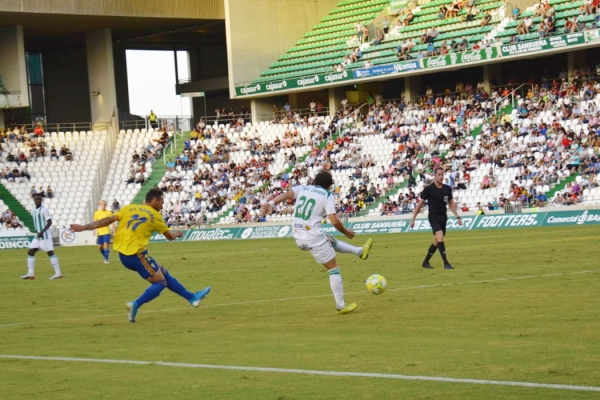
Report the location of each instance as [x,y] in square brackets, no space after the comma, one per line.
[376,284]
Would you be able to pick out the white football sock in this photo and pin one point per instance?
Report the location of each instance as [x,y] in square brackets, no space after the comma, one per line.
[31,265]
[337,287]
[343,247]
[54,261]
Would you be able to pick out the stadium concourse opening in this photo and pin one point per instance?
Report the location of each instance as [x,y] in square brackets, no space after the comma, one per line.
[71,59]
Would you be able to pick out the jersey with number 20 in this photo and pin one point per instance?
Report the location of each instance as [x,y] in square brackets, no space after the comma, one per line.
[137,222]
[313,203]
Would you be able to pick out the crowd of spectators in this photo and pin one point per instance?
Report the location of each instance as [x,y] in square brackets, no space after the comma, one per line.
[147,155]
[226,115]
[10,221]
[466,10]
[32,145]
[552,133]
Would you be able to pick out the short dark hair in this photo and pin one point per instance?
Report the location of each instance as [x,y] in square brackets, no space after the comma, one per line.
[153,194]
[439,168]
[323,179]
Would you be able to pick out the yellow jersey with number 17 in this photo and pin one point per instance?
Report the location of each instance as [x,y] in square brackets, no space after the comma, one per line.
[137,222]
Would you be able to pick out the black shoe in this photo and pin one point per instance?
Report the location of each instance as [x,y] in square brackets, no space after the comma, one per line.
[448,266]
[426,265]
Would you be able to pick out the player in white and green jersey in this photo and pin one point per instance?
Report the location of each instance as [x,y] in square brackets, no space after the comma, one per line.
[313,203]
[42,241]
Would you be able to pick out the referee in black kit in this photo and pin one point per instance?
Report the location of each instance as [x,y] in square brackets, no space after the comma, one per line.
[438,195]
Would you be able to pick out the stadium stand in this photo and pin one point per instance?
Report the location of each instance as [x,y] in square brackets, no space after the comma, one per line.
[325,45]
[380,159]
[565,17]
[434,28]
[513,158]
[230,163]
[337,41]
[135,152]
[448,33]
[64,175]
[545,144]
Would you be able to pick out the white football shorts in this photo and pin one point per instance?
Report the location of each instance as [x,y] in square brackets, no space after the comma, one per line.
[42,244]
[322,252]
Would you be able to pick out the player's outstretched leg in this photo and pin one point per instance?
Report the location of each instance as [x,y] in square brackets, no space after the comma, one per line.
[176,287]
[152,292]
[199,295]
[366,249]
[343,247]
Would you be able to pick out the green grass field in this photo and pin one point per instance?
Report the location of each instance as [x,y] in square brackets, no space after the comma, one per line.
[518,307]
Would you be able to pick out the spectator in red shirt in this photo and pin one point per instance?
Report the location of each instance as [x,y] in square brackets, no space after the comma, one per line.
[38,131]
[22,158]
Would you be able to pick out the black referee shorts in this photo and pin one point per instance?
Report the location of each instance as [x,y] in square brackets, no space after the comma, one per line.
[438,223]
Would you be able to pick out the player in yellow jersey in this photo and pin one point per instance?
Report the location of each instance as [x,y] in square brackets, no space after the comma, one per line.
[103,233]
[137,222]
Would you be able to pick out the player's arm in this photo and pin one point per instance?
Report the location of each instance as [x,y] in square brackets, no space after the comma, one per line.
[172,235]
[454,210]
[268,207]
[283,197]
[95,219]
[94,225]
[416,212]
[337,224]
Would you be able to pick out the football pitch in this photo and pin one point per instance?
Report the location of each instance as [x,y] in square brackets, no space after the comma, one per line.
[517,319]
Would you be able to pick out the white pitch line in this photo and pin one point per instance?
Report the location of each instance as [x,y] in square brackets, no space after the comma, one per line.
[311,372]
[240,303]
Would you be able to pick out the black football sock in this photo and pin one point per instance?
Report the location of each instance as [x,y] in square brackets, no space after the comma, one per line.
[442,248]
[430,252]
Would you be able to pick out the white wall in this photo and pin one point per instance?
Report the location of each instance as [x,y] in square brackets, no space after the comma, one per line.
[13,67]
[101,74]
[260,31]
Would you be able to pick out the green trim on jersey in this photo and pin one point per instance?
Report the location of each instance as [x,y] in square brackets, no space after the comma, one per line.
[318,188]
[38,221]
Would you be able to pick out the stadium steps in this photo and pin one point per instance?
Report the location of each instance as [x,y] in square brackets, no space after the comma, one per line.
[475,132]
[560,186]
[13,204]
[159,169]
[507,110]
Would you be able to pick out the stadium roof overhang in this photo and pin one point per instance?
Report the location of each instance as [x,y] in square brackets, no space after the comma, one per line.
[58,32]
